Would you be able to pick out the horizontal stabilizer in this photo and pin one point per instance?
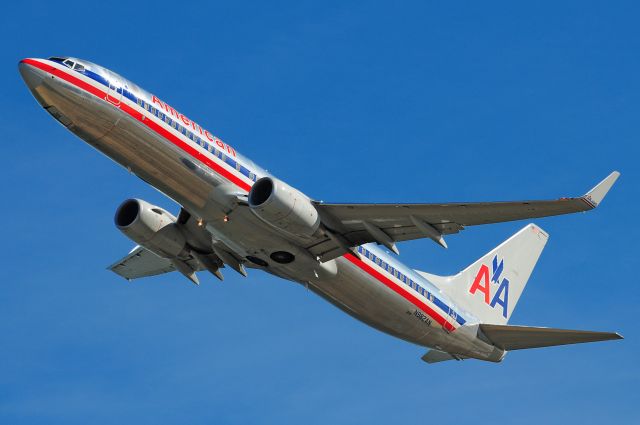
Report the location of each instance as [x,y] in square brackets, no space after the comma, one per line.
[437,356]
[509,337]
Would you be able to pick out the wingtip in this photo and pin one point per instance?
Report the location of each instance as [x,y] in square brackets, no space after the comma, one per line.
[597,194]
[611,336]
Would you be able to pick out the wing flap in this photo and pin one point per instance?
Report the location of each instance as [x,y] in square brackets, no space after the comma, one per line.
[509,337]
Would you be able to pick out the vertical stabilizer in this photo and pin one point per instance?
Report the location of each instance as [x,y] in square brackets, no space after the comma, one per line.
[489,289]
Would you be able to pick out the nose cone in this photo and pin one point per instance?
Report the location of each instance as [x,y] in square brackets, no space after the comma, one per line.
[32,76]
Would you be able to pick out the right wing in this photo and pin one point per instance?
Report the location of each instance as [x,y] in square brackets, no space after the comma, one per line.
[141,262]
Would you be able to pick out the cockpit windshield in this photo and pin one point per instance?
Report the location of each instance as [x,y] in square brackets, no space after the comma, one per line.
[69,62]
[97,72]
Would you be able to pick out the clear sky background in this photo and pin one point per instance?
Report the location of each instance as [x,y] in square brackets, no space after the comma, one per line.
[350,102]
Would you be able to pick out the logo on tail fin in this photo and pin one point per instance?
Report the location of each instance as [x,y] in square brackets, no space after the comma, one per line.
[487,286]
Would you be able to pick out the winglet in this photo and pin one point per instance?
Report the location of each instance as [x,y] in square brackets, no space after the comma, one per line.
[597,194]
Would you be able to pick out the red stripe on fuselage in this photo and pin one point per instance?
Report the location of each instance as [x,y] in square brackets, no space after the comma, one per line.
[160,130]
[400,291]
[146,120]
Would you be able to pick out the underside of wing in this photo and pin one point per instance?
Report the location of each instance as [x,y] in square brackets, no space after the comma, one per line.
[141,262]
[355,224]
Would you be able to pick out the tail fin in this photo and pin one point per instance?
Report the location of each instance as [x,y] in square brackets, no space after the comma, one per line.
[489,289]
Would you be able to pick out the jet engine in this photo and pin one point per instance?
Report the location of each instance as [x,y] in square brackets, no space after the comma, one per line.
[152,227]
[283,207]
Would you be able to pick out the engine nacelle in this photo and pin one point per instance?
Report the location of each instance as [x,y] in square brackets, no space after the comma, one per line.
[152,227]
[283,207]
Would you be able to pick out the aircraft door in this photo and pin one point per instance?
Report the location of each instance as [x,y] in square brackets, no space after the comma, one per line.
[114,90]
[453,316]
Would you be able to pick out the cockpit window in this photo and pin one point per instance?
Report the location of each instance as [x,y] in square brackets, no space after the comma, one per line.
[69,62]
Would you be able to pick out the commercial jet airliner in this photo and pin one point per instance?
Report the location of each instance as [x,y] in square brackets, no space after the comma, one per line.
[235,215]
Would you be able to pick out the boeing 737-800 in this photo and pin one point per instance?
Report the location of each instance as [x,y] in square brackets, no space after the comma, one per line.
[235,215]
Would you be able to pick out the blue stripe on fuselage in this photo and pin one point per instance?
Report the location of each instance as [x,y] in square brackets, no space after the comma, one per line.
[414,284]
[236,165]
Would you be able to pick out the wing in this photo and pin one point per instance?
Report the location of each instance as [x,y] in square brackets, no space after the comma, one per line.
[351,225]
[141,262]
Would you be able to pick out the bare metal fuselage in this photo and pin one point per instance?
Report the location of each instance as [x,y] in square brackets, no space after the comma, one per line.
[126,139]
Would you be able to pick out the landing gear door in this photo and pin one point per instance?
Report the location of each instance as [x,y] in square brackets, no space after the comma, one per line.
[114,90]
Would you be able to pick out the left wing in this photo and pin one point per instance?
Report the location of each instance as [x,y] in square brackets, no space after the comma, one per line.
[349,225]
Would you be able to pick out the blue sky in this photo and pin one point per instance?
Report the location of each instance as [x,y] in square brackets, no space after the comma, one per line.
[350,102]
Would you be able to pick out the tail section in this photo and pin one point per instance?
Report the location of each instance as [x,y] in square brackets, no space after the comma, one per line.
[489,289]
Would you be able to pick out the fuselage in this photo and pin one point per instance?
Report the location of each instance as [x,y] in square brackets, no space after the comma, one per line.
[199,171]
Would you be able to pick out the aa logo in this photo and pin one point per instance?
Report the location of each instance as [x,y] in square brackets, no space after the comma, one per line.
[499,288]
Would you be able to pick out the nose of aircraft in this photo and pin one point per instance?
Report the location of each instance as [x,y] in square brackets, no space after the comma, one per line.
[31,75]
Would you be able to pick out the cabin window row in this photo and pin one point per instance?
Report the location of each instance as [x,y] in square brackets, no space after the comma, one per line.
[395,272]
[408,281]
[197,139]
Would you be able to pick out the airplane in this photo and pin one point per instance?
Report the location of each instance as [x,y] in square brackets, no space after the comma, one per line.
[236,215]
